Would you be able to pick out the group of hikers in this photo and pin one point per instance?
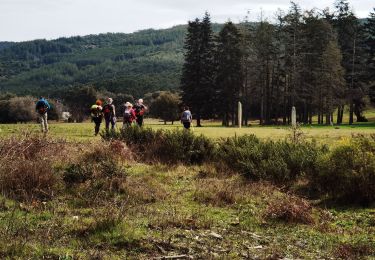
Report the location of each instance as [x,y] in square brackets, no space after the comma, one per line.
[107,111]
[131,114]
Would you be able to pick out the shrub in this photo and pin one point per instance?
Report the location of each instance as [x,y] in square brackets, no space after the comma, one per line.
[77,173]
[290,209]
[348,171]
[98,170]
[26,171]
[278,162]
[178,146]
[356,250]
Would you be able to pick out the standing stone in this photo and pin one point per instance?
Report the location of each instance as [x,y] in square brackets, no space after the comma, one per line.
[239,114]
[294,117]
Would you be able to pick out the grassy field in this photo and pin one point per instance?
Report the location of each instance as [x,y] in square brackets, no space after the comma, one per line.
[84,131]
[182,212]
[124,208]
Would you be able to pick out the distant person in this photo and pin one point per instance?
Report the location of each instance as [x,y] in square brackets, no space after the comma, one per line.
[129,115]
[109,113]
[97,115]
[186,118]
[42,107]
[140,110]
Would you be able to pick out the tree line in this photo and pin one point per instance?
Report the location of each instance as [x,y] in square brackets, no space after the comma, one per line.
[164,105]
[320,62]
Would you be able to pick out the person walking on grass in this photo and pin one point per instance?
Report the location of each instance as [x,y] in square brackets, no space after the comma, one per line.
[97,115]
[139,109]
[129,115]
[109,113]
[186,118]
[42,107]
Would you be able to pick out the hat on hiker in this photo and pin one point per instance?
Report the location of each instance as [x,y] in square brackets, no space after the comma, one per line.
[128,104]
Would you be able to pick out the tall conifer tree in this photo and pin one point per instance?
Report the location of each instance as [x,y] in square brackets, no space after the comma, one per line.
[229,76]
[197,81]
[370,47]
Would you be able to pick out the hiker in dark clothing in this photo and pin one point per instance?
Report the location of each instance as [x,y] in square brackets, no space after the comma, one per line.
[139,109]
[186,118]
[129,115]
[97,115]
[42,107]
[109,113]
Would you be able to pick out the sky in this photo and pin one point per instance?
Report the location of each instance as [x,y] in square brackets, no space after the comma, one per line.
[22,20]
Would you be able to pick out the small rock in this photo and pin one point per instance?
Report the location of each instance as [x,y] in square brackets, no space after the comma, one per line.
[235,222]
[255,236]
[216,235]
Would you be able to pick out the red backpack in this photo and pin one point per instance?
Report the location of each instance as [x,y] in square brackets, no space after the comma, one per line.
[108,110]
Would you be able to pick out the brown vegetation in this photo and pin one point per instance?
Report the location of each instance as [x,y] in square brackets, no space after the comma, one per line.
[290,209]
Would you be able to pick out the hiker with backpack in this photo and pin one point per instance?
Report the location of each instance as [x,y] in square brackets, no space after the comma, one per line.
[97,115]
[139,109]
[109,113]
[129,115]
[42,107]
[186,118]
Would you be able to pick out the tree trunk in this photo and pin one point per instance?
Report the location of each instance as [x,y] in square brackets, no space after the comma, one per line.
[351,108]
[328,118]
[342,113]
[351,112]
[199,120]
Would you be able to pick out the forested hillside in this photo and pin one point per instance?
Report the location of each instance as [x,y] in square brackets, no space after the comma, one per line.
[135,63]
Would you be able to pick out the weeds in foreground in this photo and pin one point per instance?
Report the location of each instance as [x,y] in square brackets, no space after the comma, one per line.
[290,209]
[354,251]
[26,171]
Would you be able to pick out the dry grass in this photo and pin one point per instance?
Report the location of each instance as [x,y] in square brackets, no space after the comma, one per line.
[233,190]
[26,171]
[290,209]
[351,252]
[144,189]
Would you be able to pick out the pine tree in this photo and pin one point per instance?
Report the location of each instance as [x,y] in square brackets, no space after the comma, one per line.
[293,23]
[331,78]
[370,48]
[349,32]
[197,80]
[265,62]
[317,34]
[207,52]
[229,71]
[191,74]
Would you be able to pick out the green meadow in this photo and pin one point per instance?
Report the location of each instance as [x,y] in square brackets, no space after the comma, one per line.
[73,195]
[85,131]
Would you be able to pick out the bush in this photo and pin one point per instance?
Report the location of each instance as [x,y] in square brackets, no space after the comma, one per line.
[290,209]
[99,169]
[348,171]
[26,171]
[172,147]
[356,250]
[18,109]
[279,162]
